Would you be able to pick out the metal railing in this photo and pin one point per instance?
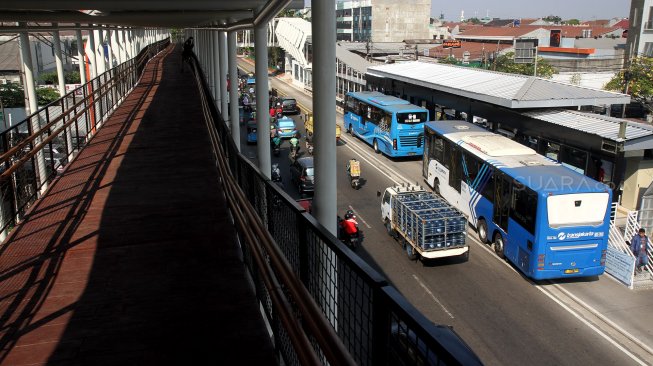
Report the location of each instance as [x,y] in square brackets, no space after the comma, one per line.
[630,228]
[36,150]
[323,303]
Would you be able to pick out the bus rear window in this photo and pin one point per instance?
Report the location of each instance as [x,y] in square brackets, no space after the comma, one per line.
[412,117]
[580,209]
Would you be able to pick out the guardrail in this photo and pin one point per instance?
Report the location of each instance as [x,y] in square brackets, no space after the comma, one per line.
[305,278]
[37,149]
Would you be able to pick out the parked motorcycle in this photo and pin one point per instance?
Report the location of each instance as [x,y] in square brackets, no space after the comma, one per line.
[355,182]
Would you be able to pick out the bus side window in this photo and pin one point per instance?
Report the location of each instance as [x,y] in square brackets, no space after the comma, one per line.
[472,166]
[446,153]
[488,189]
[437,148]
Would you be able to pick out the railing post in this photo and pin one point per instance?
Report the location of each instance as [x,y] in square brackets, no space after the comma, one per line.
[380,327]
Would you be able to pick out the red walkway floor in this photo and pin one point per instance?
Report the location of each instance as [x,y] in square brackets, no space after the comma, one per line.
[130,258]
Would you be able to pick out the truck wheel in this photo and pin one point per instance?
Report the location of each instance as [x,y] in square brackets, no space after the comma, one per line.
[499,245]
[481,228]
[376,147]
[410,251]
[390,230]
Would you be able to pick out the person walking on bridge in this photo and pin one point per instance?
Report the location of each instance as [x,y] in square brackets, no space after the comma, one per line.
[639,246]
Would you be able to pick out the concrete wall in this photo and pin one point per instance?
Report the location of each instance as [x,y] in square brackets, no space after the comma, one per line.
[394,21]
[639,175]
[637,38]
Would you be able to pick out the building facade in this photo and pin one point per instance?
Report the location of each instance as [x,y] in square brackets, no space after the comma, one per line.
[382,20]
[640,33]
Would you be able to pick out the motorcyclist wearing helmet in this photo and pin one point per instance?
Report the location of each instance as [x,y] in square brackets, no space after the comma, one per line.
[294,143]
[349,225]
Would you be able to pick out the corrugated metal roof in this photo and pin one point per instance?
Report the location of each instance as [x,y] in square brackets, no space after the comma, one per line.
[508,90]
[604,126]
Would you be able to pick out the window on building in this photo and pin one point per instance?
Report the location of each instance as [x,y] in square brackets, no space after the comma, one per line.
[648,49]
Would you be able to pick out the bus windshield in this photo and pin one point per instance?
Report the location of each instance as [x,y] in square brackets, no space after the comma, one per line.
[411,117]
[580,209]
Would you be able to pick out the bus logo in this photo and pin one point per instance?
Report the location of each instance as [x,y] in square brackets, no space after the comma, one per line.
[562,236]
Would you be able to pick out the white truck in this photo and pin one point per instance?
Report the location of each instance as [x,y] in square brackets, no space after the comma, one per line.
[424,223]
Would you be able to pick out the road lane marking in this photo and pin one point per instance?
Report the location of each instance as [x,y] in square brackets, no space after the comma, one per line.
[360,217]
[358,147]
[428,291]
[591,326]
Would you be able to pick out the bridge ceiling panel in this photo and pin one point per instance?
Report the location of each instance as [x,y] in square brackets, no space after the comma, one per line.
[159,13]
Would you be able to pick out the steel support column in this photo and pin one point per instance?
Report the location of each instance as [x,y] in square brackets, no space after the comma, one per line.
[28,81]
[217,95]
[234,115]
[93,70]
[80,56]
[222,75]
[324,113]
[56,41]
[262,98]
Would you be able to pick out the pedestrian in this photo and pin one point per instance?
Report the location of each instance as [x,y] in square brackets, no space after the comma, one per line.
[639,246]
[187,51]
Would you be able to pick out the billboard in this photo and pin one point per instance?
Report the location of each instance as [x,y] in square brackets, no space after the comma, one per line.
[451,43]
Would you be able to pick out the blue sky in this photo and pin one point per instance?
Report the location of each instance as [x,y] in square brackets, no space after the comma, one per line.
[507,9]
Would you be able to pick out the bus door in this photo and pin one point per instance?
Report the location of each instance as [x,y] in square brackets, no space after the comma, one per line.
[501,201]
[455,168]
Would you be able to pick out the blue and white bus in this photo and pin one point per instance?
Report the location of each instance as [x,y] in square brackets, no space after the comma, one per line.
[389,124]
[548,220]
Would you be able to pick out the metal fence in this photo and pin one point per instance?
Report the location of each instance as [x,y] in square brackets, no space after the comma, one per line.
[374,322]
[37,149]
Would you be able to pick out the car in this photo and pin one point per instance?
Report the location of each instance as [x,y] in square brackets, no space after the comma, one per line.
[289,106]
[286,127]
[302,174]
[251,131]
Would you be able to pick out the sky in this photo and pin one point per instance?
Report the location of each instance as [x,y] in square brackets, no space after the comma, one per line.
[512,9]
[508,9]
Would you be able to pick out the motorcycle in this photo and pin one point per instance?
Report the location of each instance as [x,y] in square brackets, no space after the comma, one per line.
[355,182]
[294,151]
[276,146]
[276,173]
[353,240]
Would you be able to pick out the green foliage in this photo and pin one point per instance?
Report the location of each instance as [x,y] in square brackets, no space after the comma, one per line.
[506,63]
[12,95]
[474,20]
[449,60]
[72,77]
[48,78]
[572,22]
[46,96]
[552,18]
[636,80]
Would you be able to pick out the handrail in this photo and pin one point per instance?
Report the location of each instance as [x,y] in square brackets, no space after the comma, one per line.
[21,183]
[320,328]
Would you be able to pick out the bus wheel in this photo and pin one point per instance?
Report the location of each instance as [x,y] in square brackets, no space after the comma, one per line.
[482,231]
[436,187]
[498,245]
[350,130]
[376,147]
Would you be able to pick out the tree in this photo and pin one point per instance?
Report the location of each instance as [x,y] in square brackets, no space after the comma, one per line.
[12,95]
[450,60]
[572,22]
[506,63]
[552,18]
[46,96]
[474,20]
[636,80]
[49,78]
[72,77]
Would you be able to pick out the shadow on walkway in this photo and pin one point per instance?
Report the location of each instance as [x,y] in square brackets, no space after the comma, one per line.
[130,257]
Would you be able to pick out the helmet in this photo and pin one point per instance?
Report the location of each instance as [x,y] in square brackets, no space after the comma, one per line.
[349,214]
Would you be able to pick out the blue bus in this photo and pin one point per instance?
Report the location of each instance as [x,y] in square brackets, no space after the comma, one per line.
[389,124]
[548,220]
